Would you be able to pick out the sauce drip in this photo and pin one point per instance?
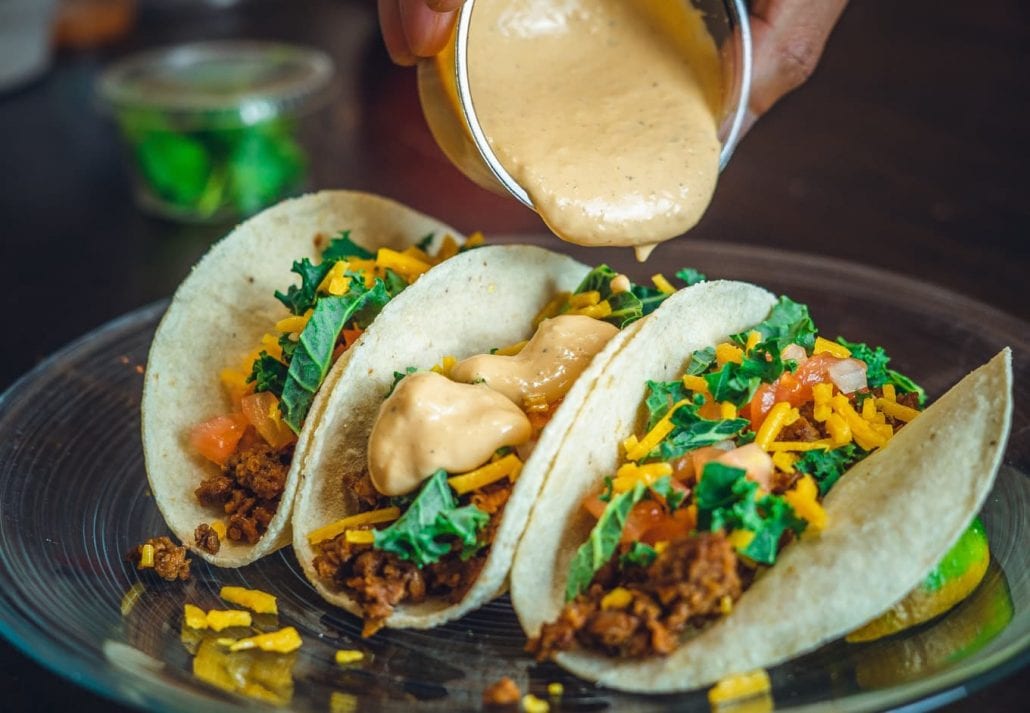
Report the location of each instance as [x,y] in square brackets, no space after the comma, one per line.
[547,366]
[606,120]
[430,422]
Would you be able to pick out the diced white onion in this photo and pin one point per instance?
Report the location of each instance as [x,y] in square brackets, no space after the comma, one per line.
[795,352]
[848,375]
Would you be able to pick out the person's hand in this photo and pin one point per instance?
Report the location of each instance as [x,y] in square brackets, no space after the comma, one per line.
[789,36]
[416,28]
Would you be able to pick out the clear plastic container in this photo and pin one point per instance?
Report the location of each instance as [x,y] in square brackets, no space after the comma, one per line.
[213,130]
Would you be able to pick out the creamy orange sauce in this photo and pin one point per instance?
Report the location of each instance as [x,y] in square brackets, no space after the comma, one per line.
[607,121]
[547,366]
[430,422]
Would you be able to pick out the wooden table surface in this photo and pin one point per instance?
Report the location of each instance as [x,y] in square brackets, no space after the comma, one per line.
[906,151]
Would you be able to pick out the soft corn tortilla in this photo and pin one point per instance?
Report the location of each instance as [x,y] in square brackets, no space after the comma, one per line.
[218,315]
[483,299]
[890,518]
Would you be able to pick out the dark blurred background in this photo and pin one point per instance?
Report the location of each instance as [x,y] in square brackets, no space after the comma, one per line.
[906,151]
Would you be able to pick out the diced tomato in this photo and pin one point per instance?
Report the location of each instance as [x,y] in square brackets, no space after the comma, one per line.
[350,336]
[262,411]
[594,505]
[671,527]
[217,439]
[795,389]
[701,456]
[754,460]
[644,515]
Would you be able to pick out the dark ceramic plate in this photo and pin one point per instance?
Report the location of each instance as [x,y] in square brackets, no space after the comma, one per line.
[74,499]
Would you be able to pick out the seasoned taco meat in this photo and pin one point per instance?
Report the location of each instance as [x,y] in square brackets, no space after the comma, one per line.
[170,562]
[248,489]
[694,580]
[207,539]
[380,580]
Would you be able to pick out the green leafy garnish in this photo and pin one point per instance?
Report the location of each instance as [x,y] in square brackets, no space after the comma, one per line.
[342,248]
[398,375]
[694,435]
[650,298]
[268,374]
[640,554]
[877,374]
[726,501]
[787,323]
[602,542]
[626,306]
[700,360]
[690,276]
[423,534]
[313,354]
[661,396]
[828,466]
[673,498]
[737,383]
[300,298]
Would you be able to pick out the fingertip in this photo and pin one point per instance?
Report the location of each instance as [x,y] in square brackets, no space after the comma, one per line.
[391,25]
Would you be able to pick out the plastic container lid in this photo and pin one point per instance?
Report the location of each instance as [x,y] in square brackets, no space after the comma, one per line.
[236,81]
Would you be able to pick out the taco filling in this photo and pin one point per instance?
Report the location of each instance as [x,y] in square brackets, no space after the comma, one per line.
[273,388]
[448,446]
[732,464]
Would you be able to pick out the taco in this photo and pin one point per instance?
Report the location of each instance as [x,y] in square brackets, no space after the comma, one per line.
[682,535]
[241,356]
[419,482]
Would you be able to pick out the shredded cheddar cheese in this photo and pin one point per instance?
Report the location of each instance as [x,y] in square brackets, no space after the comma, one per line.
[696,384]
[662,284]
[253,599]
[825,346]
[552,308]
[736,687]
[598,311]
[629,474]
[194,617]
[532,704]
[618,598]
[372,517]
[753,338]
[584,299]
[655,436]
[406,266]
[784,461]
[475,240]
[727,410]
[218,619]
[804,499]
[146,556]
[740,539]
[448,249]
[282,642]
[821,444]
[219,527]
[348,656]
[897,411]
[889,393]
[863,433]
[555,689]
[773,424]
[360,537]
[839,430]
[507,467]
[726,352]
[445,365]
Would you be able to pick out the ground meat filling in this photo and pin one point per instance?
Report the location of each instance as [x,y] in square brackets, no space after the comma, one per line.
[696,579]
[170,561]
[207,539]
[248,489]
[381,580]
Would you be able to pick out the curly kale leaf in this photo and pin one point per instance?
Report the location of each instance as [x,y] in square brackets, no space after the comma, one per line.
[787,323]
[603,541]
[268,374]
[426,531]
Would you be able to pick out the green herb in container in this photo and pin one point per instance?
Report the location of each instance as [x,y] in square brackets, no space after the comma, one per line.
[213,130]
